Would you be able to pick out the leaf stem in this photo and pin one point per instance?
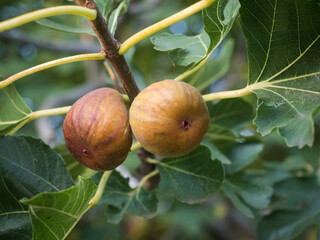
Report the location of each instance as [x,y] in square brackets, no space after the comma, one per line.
[152,161]
[57,62]
[163,24]
[125,98]
[38,114]
[49,112]
[102,184]
[147,177]
[47,12]
[135,146]
[228,94]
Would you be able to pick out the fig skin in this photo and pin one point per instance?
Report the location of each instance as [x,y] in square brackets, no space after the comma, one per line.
[97,131]
[169,118]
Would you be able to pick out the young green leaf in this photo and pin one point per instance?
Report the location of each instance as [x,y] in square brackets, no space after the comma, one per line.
[53,215]
[116,13]
[283,44]
[304,193]
[13,109]
[218,20]
[191,178]
[27,168]
[183,50]
[215,68]
[123,199]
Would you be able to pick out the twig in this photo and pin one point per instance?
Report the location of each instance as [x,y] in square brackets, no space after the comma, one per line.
[109,48]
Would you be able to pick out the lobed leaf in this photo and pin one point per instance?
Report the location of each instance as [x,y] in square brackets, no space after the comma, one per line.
[191,178]
[283,44]
[123,199]
[27,168]
[53,215]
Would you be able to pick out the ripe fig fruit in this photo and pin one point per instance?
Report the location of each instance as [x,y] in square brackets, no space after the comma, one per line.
[169,118]
[97,131]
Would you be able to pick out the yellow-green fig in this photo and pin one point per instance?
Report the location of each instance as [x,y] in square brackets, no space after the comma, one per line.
[169,118]
[96,130]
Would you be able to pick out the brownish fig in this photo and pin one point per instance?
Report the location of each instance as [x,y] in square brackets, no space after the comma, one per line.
[96,130]
[169,118]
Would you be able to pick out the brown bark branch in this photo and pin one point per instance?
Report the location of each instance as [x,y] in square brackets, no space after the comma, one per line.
[110,47]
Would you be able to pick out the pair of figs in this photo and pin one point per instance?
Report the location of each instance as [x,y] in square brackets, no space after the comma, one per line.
[169,118]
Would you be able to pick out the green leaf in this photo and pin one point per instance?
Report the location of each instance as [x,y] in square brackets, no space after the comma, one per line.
[218,20]
[123,199]
[65,28]
[231,113]
[221,137]
[245,195]
[243,154]
[283,44]
[191,178]
[183,50]
[73,166]
[105,7]
[27,168]
[214,69]
[53,215]
[227,119]
[215,152]
[116,13]
[13,109]
[304,193]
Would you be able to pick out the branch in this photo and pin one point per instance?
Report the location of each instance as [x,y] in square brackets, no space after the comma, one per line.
[109,48]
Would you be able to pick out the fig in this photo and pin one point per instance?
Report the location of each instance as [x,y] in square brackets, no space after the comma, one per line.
[97,131]
[169,118]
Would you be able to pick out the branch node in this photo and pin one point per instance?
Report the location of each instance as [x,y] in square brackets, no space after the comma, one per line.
[91,5]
